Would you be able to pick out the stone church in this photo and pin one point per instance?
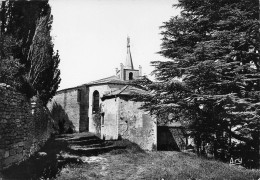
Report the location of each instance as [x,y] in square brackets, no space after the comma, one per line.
[103,107]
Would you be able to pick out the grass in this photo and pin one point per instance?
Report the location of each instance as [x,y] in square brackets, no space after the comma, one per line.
[133,163]
[114,160]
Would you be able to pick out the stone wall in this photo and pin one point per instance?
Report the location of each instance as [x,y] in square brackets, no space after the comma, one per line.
[136,125]
[69,102]
[92,116]
[123,119]
[22,131]
[102,89]
[126,74]
[109,125]
[84,107]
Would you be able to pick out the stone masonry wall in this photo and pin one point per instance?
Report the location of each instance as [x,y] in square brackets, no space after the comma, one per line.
[109,126]
[22,132]
[136,125]
[92,116]
[84,107]
[70,103]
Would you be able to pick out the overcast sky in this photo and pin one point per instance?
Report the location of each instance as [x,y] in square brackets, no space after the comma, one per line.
[91,35]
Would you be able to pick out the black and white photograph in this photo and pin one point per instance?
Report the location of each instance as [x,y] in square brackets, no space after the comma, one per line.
[129,90]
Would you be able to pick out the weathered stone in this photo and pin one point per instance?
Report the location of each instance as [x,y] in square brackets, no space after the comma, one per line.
[133,123]
[18,127]
[69,102]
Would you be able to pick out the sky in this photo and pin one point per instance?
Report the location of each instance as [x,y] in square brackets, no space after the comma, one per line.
[91,36]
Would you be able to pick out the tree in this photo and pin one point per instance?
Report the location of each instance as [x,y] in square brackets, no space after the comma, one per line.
[211,81]
[19,19]
[29,25]
[43,73]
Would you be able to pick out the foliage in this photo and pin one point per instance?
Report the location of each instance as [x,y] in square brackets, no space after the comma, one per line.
[9,71]
[26,27]
[19,19]
[211,81]
[63,162]
[44,73]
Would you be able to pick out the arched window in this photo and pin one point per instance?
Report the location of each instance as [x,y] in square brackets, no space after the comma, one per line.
[130,76]
[95,101]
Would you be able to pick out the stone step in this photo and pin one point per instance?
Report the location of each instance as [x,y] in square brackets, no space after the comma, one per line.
[86,142]
[81,151]
[103,144]
[81,138]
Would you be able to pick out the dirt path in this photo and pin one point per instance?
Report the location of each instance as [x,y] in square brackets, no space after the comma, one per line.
[84,156]
[57,153]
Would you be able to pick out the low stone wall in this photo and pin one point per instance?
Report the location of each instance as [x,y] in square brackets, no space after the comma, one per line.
[23,130]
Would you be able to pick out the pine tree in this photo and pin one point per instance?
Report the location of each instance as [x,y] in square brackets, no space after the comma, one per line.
[211,81]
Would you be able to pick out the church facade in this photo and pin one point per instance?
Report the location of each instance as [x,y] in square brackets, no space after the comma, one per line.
[103,107]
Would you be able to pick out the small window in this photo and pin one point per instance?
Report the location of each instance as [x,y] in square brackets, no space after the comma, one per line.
[95,101]
[102,118]
[130,76]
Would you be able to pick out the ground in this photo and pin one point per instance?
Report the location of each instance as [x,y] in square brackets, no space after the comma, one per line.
[84,156]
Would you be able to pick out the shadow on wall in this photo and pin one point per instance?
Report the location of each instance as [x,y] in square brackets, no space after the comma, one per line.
[43,121]
[97,123]
[166,141]
[62,124]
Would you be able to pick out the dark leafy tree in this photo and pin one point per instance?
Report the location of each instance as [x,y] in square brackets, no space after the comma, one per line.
[211,81]
[43,74]
[19,19]
[25,29]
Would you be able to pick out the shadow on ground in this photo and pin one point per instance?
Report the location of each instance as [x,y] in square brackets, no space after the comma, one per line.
[58,152]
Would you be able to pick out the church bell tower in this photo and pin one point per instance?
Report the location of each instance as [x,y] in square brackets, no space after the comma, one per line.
[127,71]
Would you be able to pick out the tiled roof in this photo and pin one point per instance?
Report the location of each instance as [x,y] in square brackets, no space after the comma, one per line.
[108,80]
[126,90]
[68,89]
